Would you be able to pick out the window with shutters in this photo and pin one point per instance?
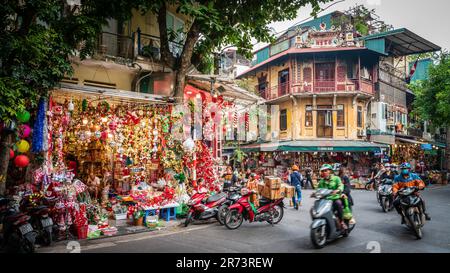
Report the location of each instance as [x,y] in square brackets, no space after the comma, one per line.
[340,116]
[308,116]
[283,120]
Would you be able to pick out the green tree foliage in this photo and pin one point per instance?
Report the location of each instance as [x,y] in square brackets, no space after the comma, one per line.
[37,38]
[432,100]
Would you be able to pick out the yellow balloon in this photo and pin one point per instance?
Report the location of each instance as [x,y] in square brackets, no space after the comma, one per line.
[23,146]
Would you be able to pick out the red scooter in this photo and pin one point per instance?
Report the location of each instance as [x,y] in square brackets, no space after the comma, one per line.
[269,210]
[203,210]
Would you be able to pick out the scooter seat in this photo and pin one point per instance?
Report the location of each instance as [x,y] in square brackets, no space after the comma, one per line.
[264,201]
[216,197]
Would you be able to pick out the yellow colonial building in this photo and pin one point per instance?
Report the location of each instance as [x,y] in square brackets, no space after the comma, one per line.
[126,62]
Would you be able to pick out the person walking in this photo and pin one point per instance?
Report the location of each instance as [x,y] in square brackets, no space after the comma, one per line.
[296,180]
[308,174]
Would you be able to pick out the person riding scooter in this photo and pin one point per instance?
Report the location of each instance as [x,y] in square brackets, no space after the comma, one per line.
[388,172]
[407,179]
[332,182]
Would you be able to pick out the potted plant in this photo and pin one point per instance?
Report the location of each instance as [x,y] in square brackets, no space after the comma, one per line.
[137,213]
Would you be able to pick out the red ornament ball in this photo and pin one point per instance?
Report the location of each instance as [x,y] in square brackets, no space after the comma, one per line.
[21,161]
[11,153]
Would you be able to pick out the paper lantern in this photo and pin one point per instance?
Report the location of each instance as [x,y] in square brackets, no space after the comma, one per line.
[23,146]
[21,161]
[25,131]
[11,154]
[23,116]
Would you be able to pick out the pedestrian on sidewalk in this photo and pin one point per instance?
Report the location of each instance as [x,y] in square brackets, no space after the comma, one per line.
[308,180]
[296,180]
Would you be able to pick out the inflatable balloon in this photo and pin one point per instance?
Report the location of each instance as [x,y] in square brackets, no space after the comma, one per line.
[23,146]
[21,161]
[23,116]
[24,130]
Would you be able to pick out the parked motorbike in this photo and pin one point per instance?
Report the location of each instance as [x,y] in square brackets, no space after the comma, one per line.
[18,234]
[271,211]
[234,193]
[203,210]
[384,195]
[41,222]
[412,211]
[325,226]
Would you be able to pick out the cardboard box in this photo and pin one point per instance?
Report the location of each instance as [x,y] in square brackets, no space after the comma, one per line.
[272,182]
[290,191]
[272,194]
[260,187]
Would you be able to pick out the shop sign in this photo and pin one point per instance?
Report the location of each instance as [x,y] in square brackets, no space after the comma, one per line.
[426,147]
[325,149]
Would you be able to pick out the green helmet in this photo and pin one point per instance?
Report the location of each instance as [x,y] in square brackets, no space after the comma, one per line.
[326,167]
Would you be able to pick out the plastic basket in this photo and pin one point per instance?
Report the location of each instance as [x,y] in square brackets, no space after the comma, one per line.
[82,232]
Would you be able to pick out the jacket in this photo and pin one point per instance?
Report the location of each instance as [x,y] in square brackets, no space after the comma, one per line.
[333,183]
[413,180]
[296,178]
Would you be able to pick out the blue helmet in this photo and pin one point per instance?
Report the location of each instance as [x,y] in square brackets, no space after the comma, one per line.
[405,165]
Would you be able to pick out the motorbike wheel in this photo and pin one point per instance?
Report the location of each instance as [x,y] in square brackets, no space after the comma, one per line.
[47,238]
[233,219]
[414,219]
[222,213]
[27,246]
[384,206]
[278,212]
[188,219]
[318,240]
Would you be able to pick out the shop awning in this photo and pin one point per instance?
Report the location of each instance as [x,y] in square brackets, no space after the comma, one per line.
[317,146]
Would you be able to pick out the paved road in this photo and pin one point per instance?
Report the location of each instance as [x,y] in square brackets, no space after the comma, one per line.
[374,230]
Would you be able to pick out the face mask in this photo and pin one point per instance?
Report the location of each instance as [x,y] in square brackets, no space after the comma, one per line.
[405,171]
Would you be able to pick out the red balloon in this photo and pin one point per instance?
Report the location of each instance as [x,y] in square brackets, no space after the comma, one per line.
[21,161]
[11,154]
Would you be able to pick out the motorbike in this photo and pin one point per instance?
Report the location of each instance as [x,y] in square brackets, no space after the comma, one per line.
[204,210]
[42,223]
[271,211]
[18,234]
[234,193]
[412,211]
[325,226]
[384,195]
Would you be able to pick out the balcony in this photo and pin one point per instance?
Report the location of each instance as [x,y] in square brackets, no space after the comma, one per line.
[318,86]
[123,48]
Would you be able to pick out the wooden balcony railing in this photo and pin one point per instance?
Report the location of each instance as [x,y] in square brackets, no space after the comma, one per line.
[318,86]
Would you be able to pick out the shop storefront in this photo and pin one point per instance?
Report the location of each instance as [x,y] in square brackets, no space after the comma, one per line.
[103,163]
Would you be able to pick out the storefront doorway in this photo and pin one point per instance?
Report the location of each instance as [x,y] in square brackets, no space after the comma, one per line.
[324,121]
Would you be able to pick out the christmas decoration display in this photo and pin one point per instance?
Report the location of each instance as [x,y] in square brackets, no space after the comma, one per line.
[22,146]
[23,116]
[21,161]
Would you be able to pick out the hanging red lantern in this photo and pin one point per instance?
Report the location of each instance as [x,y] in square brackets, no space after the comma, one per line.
[21,161]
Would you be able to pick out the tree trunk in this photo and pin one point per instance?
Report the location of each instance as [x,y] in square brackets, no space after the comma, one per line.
[166,56]
[185,61]
[5,145]
[447,151]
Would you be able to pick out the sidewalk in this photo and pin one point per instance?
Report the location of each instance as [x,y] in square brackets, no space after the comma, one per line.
[123,229]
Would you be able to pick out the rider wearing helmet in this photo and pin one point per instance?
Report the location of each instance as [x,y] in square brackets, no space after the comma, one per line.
[388,173]
[333,182]
[405,179]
